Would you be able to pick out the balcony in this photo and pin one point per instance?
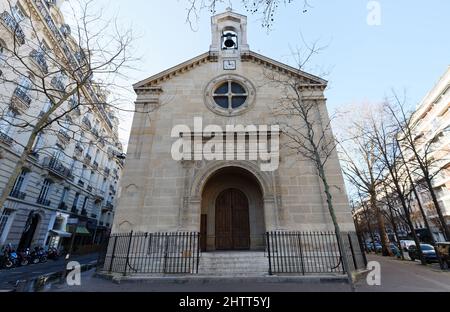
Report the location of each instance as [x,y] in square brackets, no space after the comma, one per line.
[20,100]
[58,84]
[18,194]
[62,206]
[95,165]
[106,171]
[55,167]
[13,26]
[39,59]
[64,137]
[99,196]
[108,207]
[43,202]
[87,159]
[6,139]
[86,122]
[35,155]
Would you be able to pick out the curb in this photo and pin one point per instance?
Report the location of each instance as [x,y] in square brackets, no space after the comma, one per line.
[198,279]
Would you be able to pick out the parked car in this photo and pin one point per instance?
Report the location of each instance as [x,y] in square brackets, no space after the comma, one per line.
[427,250]
[395,250]
[405,243]
[376,247]
[443,252]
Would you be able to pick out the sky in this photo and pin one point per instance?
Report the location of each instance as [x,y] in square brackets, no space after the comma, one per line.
[408,51]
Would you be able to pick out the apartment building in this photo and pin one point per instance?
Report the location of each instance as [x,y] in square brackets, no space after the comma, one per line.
[68,187]
[431,122]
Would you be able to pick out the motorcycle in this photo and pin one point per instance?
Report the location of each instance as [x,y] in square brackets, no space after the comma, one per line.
[24,257]
[38,255]
[53,253]
[10,257]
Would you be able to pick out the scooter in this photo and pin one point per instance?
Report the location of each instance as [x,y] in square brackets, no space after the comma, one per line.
[10,257]
[38,255]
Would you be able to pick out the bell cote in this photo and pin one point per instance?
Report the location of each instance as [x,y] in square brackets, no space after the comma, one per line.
[229,35]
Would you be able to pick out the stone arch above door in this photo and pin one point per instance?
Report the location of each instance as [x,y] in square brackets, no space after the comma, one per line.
[201,177]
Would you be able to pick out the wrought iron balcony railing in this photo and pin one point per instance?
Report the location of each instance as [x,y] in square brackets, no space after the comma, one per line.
[18,194]
[39,59]
[63,206]
[44,202]
[10,23]
[58,84]
[20,99]
[57,168]
[6,139]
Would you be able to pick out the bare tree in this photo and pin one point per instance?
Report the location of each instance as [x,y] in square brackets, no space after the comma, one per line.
[52,86]
[385,134]
[267,9]
[422,159]
[364,170]
[305,123]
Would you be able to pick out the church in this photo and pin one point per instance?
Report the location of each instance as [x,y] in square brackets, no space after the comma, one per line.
[232,199]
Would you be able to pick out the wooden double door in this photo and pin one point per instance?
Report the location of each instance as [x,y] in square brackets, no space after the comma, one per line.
[232,221]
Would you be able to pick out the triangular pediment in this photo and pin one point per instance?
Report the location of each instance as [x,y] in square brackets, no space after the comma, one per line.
[251,56]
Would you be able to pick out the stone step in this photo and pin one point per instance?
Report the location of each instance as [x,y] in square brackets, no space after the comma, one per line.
[233,264]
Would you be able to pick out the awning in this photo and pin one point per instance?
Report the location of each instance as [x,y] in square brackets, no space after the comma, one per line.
[60,233]
[82,230]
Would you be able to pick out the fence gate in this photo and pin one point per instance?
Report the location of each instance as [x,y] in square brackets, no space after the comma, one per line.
[166,253]
[309,252]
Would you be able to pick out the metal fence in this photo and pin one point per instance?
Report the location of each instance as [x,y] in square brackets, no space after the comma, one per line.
[311,252]
[166,253]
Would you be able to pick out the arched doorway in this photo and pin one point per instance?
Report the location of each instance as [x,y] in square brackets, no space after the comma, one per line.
[29,230]
[232,211]
[232,221]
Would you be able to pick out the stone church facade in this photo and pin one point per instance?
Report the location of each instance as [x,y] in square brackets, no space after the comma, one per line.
[230,202]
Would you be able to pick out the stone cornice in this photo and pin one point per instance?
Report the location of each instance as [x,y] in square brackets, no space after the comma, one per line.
[309,81]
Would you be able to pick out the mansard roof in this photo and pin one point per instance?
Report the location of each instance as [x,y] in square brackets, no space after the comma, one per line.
[309,79]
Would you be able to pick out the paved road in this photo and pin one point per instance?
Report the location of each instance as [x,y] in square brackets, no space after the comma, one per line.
[8,278]
[407,276]
[396,275]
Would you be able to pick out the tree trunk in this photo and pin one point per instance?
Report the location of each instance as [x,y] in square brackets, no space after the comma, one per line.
[444,226]
[386,250]
[335,223]
[17,170]
[416,195]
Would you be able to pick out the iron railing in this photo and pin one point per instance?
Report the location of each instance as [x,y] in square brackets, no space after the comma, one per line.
[310,253]
[158,253]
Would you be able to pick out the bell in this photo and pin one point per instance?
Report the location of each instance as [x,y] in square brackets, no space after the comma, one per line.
[229,42]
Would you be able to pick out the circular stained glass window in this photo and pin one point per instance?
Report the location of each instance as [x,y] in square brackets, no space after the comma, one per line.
[230,95]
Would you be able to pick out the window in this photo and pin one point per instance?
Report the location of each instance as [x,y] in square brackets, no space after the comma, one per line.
[6,121]
[45,191]
[4,218]
[20,183]
[230,95]
[39,143]
[25,84]
[2,53]
[17,13]
[47,106]
[75,201]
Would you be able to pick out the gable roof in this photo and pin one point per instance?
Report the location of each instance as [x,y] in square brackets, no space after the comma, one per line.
[208,57]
